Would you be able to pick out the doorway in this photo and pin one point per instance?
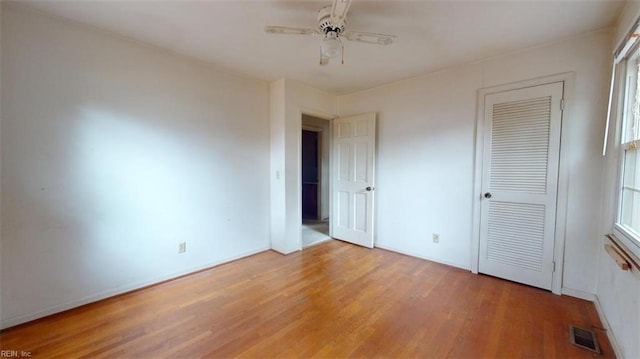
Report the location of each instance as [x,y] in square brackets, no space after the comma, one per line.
[310,174]
[315,153]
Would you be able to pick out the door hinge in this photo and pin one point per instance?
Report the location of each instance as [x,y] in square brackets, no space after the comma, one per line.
[553,266]
[561,104]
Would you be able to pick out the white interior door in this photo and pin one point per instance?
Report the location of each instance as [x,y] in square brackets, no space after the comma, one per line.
[354,143]
[519,184]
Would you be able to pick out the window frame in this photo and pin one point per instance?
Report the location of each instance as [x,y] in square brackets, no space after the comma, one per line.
[627,237]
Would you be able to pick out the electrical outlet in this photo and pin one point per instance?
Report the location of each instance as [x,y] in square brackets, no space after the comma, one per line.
[436,238]
[182,247]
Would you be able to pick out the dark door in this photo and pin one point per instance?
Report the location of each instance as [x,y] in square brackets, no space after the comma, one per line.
[310,174]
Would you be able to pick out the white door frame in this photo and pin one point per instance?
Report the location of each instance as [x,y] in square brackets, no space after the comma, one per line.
[563,172]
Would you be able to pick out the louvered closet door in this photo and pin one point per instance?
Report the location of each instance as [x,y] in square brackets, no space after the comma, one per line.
[519,182]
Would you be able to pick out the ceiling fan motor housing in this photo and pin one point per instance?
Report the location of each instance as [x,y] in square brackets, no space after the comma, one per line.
[324,21]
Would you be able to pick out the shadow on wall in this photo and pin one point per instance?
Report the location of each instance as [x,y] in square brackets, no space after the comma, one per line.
[112,155]
[105,205]
[140,188]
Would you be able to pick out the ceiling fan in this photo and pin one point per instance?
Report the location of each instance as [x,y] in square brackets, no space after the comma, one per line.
[331,23]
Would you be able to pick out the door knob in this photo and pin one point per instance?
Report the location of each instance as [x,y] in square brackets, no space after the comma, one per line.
[487,195]
[369,189]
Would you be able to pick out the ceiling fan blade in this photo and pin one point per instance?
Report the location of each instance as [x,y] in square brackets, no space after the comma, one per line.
[368,37]
[339,11]
[286,30]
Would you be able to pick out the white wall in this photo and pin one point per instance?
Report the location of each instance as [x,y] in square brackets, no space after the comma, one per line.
[291,99]
[619,302]
[113,152]
[426,152]
[277,165]
[627,18]
[424,162]
[618,292]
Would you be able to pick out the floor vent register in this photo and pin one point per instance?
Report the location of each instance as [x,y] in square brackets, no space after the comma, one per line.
[584,338]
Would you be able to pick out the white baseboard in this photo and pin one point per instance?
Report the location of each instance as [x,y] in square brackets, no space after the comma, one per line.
[10,322]
[283,250]
[607,327]
[424,257]
[578,294]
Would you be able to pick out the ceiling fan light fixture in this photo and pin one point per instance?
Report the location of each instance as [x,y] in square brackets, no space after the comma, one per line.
[331,45]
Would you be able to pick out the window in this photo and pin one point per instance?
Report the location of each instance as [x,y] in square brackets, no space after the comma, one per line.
[627,224]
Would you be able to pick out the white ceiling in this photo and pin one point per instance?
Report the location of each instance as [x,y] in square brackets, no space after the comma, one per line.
[431,34]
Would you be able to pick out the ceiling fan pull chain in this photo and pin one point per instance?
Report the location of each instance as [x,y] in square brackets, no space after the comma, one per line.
[342,54]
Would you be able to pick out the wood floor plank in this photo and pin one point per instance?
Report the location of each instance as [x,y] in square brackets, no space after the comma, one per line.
[331,300]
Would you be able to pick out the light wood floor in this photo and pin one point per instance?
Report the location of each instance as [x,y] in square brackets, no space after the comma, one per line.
[331,300]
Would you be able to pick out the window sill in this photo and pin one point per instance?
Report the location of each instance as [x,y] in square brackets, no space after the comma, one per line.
[629,240]
[625,252]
